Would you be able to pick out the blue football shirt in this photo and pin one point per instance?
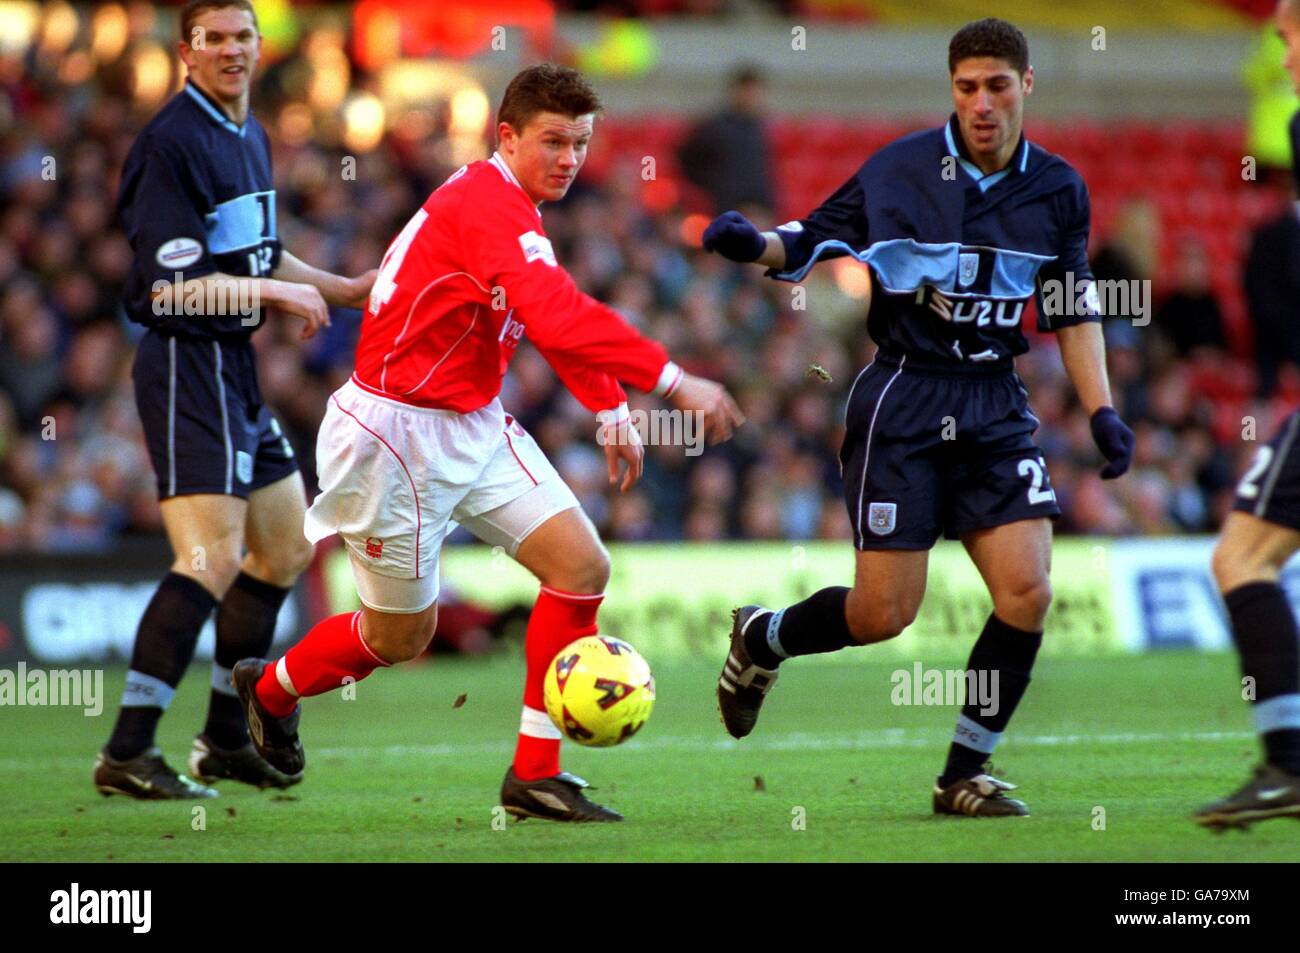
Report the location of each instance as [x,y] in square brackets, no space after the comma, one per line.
[196,198]
[956,254]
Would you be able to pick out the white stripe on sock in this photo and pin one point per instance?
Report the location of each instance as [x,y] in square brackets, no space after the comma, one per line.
[774,635]
[537,724]
[282,676]
[1279,712]
[146,691]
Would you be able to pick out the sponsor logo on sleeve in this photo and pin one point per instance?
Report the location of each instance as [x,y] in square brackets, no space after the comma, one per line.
[179,253]
[537,248]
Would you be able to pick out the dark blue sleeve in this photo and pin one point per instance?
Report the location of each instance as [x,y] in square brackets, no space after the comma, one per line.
[163,207]
[841,218]
[1065,293]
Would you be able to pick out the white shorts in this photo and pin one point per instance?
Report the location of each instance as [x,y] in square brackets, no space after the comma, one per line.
[394,479]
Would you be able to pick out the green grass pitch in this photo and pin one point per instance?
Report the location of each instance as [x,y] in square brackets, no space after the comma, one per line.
[399,773]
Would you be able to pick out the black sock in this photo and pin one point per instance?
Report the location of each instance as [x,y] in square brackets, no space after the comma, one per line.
[810,627]
[245,628]
[1004,652]
[1264,629]
[164,645]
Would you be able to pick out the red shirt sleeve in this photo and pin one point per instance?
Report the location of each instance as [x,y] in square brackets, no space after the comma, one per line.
[589,344]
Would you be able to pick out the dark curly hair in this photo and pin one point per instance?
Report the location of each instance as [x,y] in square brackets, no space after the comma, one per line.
[990,37]
[546,88]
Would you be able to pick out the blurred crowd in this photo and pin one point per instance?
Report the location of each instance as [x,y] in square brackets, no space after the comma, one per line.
[74,474]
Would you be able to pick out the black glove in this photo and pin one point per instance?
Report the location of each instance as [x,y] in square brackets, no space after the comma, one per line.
[1114,440]
[733,236]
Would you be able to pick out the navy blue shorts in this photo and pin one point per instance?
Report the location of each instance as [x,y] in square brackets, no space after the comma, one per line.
[1270,488]
[930,452]
[204,421]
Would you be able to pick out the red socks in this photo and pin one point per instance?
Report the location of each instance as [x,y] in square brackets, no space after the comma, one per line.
[558,618]
[333,650]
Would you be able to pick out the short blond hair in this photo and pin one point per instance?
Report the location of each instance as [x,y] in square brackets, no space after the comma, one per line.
[193,8]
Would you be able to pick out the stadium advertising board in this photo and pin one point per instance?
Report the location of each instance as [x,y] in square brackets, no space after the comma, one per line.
[1164,596]
[1110,596]
[61,610]
[675,599]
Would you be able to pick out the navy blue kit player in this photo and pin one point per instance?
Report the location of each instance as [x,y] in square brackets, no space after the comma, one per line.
[1259,537]
[960,227]
[198,207]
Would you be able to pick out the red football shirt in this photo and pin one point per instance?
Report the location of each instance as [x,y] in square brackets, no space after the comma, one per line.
[468,276]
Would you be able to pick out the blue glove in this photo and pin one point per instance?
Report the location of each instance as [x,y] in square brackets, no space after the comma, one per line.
[733,236]
[1114,440]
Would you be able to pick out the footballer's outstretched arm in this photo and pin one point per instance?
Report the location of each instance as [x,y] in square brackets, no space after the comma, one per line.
[773,251]
[592,348]
[836,226]
[230,294]
[588,343]
[335,289]
[1083,352]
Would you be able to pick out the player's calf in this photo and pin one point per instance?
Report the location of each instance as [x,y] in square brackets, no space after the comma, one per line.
[1003,656]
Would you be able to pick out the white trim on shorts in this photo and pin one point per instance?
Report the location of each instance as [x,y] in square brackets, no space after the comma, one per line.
[1283,451]
[171,416]
[866,456]
[225,420]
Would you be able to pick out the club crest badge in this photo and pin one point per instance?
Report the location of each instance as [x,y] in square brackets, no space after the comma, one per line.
[968,267]
[882,517]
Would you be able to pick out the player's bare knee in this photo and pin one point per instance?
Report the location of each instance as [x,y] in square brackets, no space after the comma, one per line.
[298,556]
[1038,599]
[596,568]
[1024,605]
[214,567]
[283,564]
[1234,565]
[877,621]
[586,572]
[427,629]
[399,638]
[1221,565]
[413,644]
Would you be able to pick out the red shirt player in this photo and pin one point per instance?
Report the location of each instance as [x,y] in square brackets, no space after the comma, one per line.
[417,439]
